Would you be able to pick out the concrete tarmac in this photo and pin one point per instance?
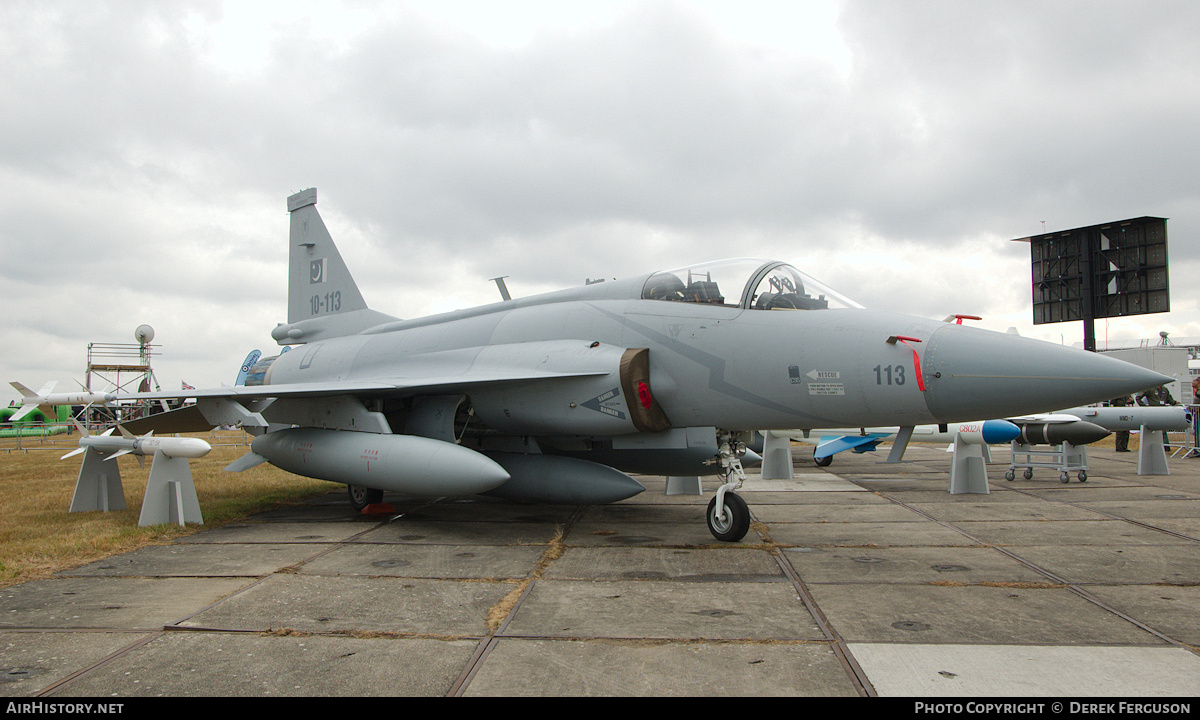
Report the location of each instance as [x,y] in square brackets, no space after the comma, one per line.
[860,579]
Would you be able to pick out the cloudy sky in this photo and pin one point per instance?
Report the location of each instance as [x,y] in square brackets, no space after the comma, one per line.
[891,149]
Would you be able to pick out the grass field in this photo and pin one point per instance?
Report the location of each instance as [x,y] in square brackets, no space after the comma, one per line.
[38,537]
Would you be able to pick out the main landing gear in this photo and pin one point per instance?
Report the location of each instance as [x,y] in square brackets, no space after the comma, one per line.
[361,496]
[728,516]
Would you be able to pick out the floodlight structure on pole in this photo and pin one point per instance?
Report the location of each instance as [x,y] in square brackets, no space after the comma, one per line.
[1100,271]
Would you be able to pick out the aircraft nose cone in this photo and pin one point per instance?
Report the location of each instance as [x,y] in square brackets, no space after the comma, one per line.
[972,371]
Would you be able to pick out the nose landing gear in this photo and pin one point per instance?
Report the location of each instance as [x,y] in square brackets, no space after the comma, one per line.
[728,516]
[731,521]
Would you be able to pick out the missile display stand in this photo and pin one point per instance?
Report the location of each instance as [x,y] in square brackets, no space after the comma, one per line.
[968,469]
[1066,458]
[170,491]
[99,484]
[1152,453]
[777,457]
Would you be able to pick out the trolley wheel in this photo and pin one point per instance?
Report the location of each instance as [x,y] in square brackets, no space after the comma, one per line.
[1028,473]
[1010,475]
[736,521]
[1064,478]
[1082,476]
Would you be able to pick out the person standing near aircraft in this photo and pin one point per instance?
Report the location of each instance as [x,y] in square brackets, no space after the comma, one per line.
[1195,453]
[1156,396]
[1121,436]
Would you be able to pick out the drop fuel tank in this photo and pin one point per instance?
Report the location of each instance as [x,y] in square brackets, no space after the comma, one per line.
[400,463]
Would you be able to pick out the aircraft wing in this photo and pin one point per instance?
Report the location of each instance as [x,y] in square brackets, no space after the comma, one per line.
[193,418]
[367,388]
[350,387]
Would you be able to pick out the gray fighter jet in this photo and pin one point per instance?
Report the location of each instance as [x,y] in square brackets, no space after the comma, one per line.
[554,397]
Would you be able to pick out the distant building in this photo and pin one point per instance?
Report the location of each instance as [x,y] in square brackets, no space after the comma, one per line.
[1177,357]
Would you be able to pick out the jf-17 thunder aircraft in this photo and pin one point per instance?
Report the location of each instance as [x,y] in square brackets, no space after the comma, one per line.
[555,397]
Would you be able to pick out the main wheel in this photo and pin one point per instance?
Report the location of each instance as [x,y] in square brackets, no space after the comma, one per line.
[824,462]
[362,496]
[735,524]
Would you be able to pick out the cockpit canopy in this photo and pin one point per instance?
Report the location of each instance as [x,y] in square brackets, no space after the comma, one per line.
[746,283]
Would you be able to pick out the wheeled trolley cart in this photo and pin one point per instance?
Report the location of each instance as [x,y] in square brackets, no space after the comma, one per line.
[1066,458]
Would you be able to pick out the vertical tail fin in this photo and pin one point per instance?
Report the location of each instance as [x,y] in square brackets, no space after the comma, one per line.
[319,283]
[323,299]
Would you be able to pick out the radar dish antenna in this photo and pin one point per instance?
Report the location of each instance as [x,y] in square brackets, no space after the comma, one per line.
[144,334]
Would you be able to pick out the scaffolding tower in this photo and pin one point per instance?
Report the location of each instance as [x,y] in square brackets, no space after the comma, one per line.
[122,368]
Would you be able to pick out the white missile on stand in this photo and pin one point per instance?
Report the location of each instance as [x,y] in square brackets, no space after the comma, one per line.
[170,492]
[46,399]
[1149,421]
[127,443]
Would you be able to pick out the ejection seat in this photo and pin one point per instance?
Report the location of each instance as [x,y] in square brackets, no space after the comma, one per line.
[704,291]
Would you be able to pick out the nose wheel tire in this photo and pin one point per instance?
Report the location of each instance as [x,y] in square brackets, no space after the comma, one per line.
[361,496]
[736,521]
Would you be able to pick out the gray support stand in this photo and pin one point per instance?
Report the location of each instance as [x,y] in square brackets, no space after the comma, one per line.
[99,484]
[1152,455]
[900,444]
[170,493]
[684,485]
[777,457]
[968,471]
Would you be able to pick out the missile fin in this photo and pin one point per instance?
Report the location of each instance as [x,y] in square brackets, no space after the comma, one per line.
[25,392]
[25,410]
[31,400]
[245,462]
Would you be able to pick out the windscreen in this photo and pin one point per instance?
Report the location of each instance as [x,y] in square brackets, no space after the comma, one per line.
[784,287]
